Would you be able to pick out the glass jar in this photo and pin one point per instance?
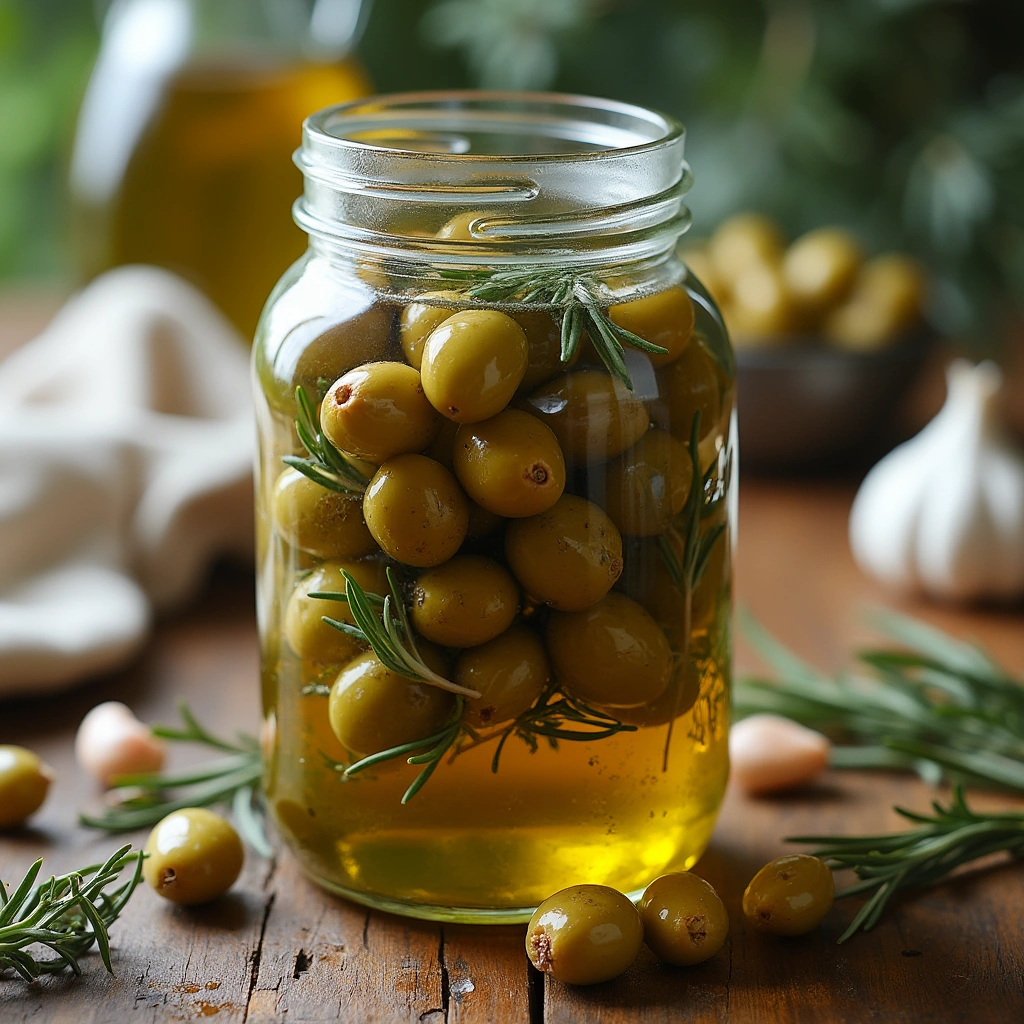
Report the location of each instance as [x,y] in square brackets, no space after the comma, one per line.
[492,394]
[182,154]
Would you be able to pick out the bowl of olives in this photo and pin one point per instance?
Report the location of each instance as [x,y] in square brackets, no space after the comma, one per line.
[827,341]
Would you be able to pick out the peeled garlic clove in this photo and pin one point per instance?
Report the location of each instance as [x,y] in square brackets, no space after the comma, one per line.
[770,753]
[111,741]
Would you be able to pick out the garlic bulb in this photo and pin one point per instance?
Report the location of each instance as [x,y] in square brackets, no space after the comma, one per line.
[769,753]
[111,741]
[944,512]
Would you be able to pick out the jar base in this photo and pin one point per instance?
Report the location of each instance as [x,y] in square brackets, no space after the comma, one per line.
[429,912]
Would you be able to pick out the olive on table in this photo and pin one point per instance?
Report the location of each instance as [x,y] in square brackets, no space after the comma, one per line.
[464,602]
[194,856]
[568,557]
[307,634]
[24,782]
[544,348]
[584,934]
[820,267]
[789,896]
[648,485]
[416,510]
[593,416]
[744,241]
[320,521]
[509,672]
[664,318]
[510,464]
[684,919]
[372,708]
[612,653]
[473,363]
[690,385]
[419,318]
[378,411]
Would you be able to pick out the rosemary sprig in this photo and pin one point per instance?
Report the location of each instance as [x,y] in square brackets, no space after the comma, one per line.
[931,704]
[574,295]
[886,864]
[67,914]
[326,465]
[436,746]
[388,631]
[558,716]
[145,799]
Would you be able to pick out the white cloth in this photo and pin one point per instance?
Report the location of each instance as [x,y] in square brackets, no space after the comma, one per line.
[126,440]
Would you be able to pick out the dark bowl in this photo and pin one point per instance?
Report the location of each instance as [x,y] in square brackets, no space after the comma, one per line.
[810,408]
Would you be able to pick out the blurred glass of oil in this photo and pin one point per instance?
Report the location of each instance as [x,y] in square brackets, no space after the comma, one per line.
[182,154]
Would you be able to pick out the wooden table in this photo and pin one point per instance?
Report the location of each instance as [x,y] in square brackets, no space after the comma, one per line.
[277,948]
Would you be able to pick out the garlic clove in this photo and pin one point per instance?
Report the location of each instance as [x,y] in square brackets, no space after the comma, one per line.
[769,754]
[111,741]
[944,512]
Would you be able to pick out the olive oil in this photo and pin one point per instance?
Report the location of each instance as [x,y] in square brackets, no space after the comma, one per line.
[207,189]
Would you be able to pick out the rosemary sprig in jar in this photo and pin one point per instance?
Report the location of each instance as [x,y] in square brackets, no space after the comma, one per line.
[326,465]
[573,296]
[144,799]
[67,914]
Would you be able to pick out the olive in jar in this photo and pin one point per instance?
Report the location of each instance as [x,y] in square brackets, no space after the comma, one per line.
[789,896]
[473,363]
[690,385]
[612,653]
[420,318]
[677,699]
[378,411]
[664,318]
[509,672]
[544,348]
[372,708]
[308,635]
[464,602]
[568,557]
[648,485]
[684,919]
[510,464]
[593,416]
[584,934]
[322,522]
[416,510]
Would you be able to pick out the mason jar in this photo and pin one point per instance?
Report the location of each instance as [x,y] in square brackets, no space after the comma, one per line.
[495,492]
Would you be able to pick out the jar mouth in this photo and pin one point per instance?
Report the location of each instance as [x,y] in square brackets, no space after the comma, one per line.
[543,176]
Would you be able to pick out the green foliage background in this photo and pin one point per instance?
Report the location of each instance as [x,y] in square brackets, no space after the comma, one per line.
[903,119]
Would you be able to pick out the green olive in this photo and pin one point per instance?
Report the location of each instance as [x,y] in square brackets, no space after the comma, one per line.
[307,634]
[593,416]
[612,653]
[473,363]
[24,782]
[510,464]
[584,934]
[648,484]
[317,350]
[194,856]
[677,699]
[568,557]
[761,308]
[665,318]
[416,510]
[419,318]
[743,241]
[378,411]
[465,602]
[684,919]
[544,345]
[690,385]
[509,672]
[322,522]
[789,896]
[373,709]
[820,267]
[442,449]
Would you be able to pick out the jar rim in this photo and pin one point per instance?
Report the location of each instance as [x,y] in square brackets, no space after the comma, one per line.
[385,109]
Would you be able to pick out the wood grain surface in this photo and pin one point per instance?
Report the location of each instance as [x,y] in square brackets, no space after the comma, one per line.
[279,949]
